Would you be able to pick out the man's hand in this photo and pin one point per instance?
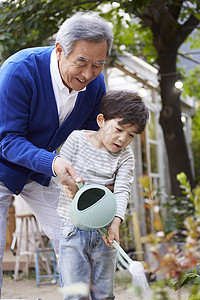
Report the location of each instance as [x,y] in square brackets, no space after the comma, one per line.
[67,175]
[70,191]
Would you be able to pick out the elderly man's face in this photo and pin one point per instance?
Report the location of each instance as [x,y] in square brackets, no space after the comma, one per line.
[82,65]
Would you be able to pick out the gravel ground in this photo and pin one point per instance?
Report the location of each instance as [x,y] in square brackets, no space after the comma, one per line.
[27,289]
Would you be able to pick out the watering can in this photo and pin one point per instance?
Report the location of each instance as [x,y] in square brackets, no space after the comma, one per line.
[93,207]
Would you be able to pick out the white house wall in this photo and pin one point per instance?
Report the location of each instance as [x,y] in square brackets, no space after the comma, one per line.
[116,79]
[132,73]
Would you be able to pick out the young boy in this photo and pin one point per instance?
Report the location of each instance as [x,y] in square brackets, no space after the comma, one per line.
[104,157]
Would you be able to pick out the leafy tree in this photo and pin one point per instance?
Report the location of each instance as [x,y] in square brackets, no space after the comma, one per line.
[28,23]
[163,25]
[191,87]
[192,84]
[196,144]
[170,23]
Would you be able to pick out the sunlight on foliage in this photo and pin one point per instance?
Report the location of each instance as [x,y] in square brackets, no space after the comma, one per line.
[173,260]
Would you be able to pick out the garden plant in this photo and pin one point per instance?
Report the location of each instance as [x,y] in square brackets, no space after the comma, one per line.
[178,264]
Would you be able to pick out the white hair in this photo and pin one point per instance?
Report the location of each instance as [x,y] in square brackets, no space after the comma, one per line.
[87,26]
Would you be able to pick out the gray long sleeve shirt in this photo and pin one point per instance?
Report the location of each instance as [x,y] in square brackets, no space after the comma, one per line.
[98,166]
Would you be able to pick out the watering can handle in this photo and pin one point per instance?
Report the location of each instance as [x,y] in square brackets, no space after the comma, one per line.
[57,181]
[104,231]
[80,184]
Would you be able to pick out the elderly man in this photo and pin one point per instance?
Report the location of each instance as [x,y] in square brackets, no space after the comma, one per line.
[45,94]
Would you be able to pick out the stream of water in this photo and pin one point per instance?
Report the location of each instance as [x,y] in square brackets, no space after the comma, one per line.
[139,280]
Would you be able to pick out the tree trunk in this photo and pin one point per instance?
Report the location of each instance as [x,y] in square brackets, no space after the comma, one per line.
[170,120]
[168,35]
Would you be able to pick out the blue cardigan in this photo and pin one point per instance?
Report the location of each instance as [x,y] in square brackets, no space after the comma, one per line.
[29,123]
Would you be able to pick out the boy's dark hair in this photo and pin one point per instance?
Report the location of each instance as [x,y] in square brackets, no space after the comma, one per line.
[125,105]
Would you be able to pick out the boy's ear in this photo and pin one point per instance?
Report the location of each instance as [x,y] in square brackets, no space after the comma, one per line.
[100,120]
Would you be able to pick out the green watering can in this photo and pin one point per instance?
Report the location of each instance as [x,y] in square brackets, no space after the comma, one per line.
[93,207]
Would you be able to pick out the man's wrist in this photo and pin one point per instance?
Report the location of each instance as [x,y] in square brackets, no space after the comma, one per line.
[53,162]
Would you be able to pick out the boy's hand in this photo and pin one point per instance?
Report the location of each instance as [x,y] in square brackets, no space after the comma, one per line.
[113,232]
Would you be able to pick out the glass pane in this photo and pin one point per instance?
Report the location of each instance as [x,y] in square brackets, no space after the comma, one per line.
[156,182]
[153,155]
[143,153]
[152,127]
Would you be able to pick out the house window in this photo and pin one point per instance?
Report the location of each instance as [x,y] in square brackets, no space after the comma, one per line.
[149,148]
[152,147]
[151,163]
[154,157]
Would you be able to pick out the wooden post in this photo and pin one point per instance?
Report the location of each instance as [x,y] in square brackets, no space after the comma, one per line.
[10,227]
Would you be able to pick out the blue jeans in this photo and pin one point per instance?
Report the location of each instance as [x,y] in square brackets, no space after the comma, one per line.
[84,257]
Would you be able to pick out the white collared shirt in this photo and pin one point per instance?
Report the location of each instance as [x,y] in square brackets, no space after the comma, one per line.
[64,99]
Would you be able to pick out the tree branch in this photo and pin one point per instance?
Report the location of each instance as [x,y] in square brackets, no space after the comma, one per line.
[89,1]
[186,29]
[175,8]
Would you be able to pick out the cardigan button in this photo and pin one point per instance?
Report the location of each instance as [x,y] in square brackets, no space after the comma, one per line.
[17,192]
[49,148]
